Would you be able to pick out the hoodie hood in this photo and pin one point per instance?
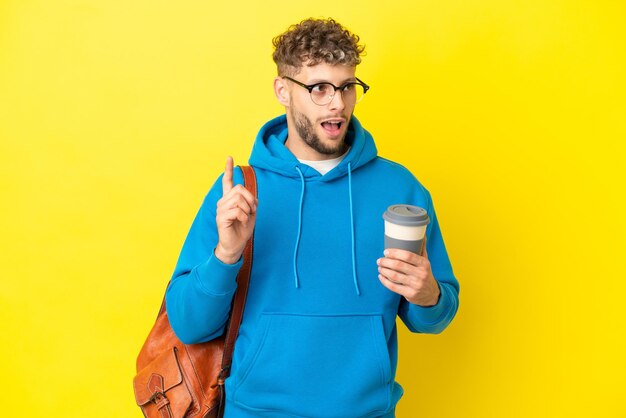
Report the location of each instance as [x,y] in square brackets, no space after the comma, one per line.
[269,152]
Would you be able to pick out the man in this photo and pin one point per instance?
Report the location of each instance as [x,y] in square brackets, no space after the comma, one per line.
[318,337]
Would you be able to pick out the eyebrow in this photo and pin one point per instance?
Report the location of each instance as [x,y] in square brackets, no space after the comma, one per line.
[318,81]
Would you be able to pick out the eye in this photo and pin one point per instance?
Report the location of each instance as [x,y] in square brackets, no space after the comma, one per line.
[322,88]
[348,87]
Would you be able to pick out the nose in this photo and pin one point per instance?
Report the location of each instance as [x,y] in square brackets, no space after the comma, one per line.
[337,101]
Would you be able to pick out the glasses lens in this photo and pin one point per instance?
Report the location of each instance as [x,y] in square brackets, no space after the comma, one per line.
[322,93]
[355,92]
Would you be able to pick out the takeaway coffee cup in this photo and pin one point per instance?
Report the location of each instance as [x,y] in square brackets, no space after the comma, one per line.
[405,227]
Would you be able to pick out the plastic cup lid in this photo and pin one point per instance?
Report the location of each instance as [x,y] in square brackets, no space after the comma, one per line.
[406,215]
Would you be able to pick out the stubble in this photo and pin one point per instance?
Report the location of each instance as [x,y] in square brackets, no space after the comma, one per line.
[306,130]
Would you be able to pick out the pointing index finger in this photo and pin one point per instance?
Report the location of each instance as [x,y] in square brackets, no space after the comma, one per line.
[227,179]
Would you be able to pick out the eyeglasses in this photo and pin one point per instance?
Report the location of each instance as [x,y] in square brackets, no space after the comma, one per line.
[323,93]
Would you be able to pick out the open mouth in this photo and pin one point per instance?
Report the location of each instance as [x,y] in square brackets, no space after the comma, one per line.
[332,127]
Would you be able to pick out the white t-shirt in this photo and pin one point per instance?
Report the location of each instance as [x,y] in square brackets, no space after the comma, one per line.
[324,166]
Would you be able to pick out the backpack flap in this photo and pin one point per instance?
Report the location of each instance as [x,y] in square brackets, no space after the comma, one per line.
[161,386]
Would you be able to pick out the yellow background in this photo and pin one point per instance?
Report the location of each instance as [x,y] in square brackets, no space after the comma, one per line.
[116,116]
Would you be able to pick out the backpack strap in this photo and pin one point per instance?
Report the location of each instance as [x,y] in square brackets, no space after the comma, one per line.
[243,278]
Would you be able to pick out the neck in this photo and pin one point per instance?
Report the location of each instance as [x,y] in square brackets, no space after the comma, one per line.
[303,151]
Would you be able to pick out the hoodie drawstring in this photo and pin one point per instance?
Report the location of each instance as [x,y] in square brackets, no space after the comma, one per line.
[354,279]
[295,251]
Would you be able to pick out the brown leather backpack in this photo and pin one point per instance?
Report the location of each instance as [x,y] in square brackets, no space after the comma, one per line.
[176,380]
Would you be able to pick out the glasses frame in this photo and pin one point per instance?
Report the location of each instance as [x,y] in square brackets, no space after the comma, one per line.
[310,88]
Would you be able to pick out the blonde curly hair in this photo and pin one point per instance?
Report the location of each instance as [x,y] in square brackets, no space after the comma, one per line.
[313,41]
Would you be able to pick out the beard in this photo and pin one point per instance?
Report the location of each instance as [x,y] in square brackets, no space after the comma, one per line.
[306,130]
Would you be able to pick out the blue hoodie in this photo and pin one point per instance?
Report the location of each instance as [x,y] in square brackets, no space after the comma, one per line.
[318,337]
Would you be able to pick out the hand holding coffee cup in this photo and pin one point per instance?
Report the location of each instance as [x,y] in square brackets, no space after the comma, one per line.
[405,269]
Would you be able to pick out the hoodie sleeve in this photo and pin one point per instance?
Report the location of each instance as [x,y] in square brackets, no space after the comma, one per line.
[434,319]
[199,296]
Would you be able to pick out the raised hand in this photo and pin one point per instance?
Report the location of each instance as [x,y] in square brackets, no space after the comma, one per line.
[236,216]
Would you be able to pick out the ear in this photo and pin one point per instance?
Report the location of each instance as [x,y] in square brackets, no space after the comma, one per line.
[281,91]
